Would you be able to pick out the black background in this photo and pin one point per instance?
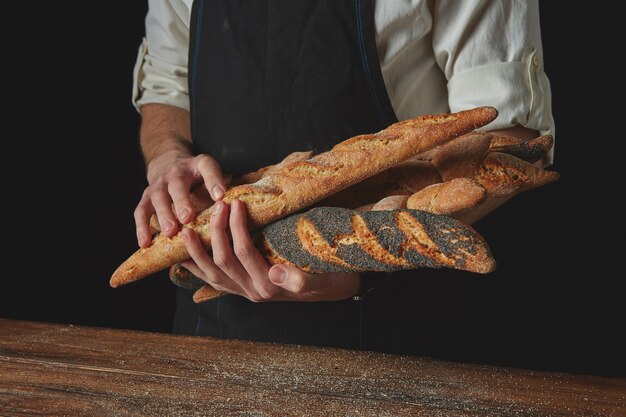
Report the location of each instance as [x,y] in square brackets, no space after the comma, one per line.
[72,175]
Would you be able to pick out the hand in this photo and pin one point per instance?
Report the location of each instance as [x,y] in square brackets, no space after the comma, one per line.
[171,177]
[242,269]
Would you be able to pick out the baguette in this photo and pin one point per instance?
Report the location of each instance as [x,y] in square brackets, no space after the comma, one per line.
[206,293]
[449,197]
[531,151]
[504,175]
[500,176]
[301,184]
[334,239]
[461,157]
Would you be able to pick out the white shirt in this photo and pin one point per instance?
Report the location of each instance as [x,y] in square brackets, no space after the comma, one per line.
[436,56]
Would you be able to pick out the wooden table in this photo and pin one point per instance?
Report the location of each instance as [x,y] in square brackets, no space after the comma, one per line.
[51,369]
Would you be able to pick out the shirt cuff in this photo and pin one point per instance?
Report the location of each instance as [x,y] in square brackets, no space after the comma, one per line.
[156,81]
[520,91]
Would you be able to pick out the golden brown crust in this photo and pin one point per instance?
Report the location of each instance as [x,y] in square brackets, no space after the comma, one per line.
[292,188]
[504,175]
[462,156]
[206,293]
[449,197]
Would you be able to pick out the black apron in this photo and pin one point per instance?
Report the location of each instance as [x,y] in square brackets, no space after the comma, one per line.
[268,78]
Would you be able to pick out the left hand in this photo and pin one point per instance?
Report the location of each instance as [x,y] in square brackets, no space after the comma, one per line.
[241,269]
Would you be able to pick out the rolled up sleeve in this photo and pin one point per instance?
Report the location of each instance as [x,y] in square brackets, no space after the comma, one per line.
[160,72]
[491,54]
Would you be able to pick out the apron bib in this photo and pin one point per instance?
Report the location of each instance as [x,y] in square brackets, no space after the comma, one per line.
[268,78]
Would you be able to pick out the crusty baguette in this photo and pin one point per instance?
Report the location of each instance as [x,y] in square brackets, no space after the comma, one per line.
[449,197]
[461,157]
[530,151]
[461,141]
[300,184]
[504,175]
[334,239]
[206,293]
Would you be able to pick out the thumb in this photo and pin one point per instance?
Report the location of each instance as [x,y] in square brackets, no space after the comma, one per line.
[295,280]
[327,286]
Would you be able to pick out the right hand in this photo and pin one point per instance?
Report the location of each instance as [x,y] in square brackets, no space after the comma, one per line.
[171,176]
[238,267]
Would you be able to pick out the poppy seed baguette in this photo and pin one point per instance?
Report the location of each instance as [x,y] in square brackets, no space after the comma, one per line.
[300,184]
[335,239]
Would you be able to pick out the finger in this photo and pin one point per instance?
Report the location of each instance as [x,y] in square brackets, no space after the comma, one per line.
[142,215]
[162,204]
[202,266]
[223,255]
[303,285]
[244,248]
[250,258]
[178,188]
[212,175]
[213,279]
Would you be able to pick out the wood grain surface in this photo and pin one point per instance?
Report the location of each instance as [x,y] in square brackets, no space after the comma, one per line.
[55,369]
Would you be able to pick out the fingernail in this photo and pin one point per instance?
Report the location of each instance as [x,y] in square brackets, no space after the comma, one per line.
[216,208]
[183,213]
[217,192]
[277,275]
[141,239]
[169,225]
